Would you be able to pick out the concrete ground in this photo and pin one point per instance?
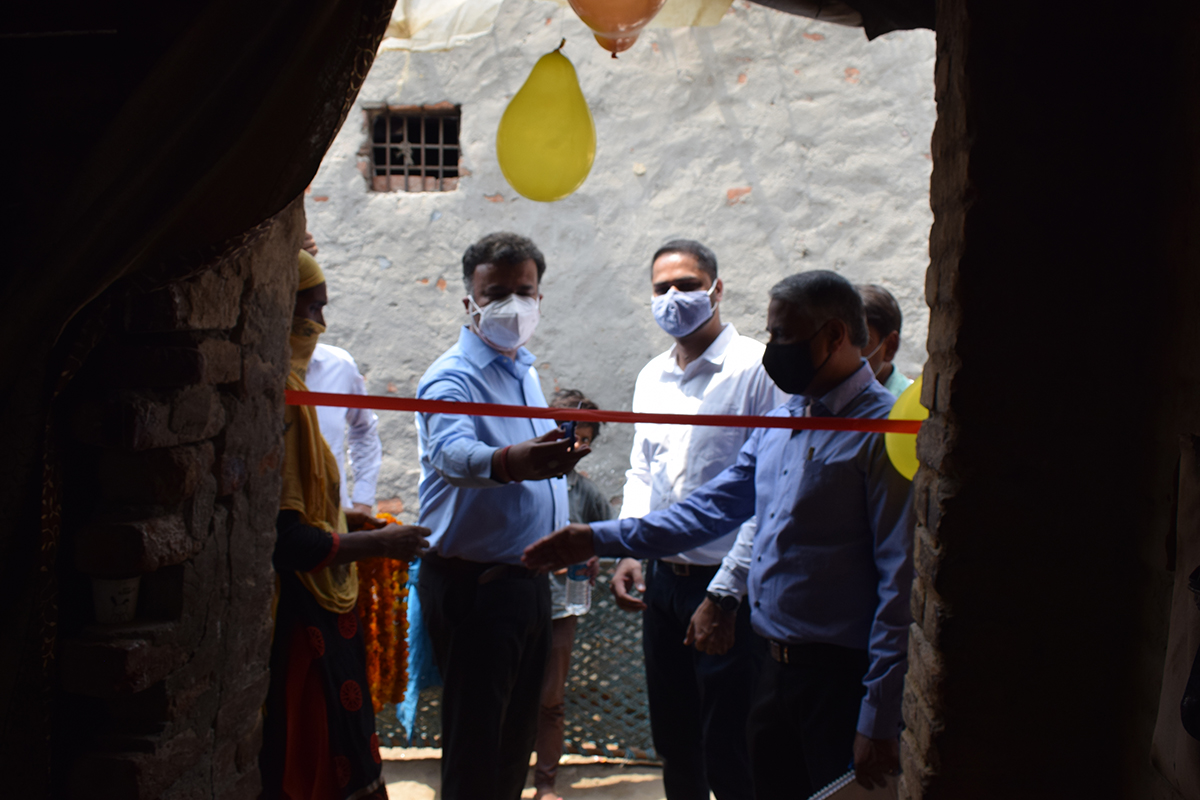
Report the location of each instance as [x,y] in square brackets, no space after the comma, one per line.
[413,774]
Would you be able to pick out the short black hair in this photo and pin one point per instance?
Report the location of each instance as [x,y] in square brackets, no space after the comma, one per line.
[883,312]
[825,295]
[573,398]
[705,258]
[502,249]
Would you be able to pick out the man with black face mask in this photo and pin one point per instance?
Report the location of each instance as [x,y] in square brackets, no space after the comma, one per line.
[831,570]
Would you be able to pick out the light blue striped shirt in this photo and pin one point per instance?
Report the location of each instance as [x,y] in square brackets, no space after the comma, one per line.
[472,516]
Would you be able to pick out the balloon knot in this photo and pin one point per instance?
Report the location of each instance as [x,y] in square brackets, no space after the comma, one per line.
[561,44]
[614,55]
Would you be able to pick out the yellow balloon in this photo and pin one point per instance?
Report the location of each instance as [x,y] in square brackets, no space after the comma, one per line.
[546,141]
[902,447]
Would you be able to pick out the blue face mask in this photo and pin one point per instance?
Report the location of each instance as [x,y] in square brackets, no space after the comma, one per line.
[680,313]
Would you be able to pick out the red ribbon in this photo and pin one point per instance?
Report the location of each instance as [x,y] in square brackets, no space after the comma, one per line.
[380,403]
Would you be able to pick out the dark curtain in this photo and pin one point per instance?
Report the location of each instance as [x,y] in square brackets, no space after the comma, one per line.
[142,137]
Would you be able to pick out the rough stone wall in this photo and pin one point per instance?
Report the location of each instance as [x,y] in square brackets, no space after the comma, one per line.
[171,473]
[1044,499]
[784,143]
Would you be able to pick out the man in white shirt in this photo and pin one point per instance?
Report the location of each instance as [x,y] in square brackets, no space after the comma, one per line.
[699,701]
[332,369]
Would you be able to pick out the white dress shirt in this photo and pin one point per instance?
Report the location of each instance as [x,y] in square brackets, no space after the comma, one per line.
[668,462]
[333,370]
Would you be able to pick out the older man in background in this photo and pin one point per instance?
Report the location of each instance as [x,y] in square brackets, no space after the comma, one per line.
[831,567]
[883,336]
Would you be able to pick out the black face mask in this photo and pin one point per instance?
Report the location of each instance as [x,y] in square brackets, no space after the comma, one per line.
[791,365]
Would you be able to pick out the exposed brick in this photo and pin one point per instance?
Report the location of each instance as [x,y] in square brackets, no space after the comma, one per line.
[117,667]
[210,301]
[924,663]
[144,712]
[231,474]
[240,708]
[166,443]
[162,477]
[925,556]
[248,787]
[194,414]
[132,548]
[135,775]
[222,361]
[155,367]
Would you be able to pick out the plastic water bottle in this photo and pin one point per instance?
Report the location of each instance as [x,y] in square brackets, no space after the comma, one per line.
[579,590]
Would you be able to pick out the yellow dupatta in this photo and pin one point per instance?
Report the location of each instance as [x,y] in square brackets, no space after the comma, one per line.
[311,487]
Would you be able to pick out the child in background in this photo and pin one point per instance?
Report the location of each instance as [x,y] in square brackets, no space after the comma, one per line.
[585,504]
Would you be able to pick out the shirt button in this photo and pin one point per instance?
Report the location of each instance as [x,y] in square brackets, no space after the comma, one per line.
[785,472]
[760,558]
[757,604]
[772,515]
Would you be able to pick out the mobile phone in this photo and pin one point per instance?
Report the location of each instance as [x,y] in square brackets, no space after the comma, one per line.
[569,430]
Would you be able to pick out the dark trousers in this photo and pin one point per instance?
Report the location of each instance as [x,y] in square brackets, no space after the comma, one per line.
[802,726]
[490,641]
[698,702]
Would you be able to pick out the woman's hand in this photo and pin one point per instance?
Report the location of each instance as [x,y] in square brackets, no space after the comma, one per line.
[402,542]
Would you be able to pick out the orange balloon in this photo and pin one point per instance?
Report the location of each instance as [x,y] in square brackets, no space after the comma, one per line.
[617,23]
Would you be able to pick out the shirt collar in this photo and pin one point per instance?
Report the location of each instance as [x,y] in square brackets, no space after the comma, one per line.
[714,354]
[480,353]
[839,397]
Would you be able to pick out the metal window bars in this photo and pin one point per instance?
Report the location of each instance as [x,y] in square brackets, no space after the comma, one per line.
[415,148]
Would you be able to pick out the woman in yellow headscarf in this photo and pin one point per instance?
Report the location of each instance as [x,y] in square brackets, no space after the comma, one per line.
[319,740]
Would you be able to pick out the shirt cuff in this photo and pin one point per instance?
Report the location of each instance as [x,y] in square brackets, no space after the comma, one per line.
[725,583]
[606,537]
[876,723]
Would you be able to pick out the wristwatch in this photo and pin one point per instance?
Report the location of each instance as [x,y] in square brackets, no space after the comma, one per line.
[725,602]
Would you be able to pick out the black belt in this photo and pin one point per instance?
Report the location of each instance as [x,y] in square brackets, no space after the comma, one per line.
[783,653]
[483,573]
[689,570]
[812,653]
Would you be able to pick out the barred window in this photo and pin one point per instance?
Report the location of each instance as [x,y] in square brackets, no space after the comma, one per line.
[414,148]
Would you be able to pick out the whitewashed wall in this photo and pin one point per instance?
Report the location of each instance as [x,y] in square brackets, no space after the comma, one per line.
[829,132]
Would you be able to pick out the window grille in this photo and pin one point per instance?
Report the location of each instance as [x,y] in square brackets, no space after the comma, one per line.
[415,148]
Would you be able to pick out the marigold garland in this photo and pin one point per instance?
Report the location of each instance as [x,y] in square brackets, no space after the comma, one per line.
[383,607]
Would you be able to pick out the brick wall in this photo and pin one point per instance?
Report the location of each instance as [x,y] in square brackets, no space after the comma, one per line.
[171,474]
[1061,369]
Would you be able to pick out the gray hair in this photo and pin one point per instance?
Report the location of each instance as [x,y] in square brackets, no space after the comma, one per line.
[825,295]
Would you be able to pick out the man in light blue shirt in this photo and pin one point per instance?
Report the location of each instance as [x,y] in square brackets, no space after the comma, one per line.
[489,487]
[831,566]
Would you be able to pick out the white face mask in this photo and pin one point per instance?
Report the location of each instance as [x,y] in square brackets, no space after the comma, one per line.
[506,324]
[867,356]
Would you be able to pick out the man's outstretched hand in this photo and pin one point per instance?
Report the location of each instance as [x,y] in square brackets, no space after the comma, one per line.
[564,547]
[548,456]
